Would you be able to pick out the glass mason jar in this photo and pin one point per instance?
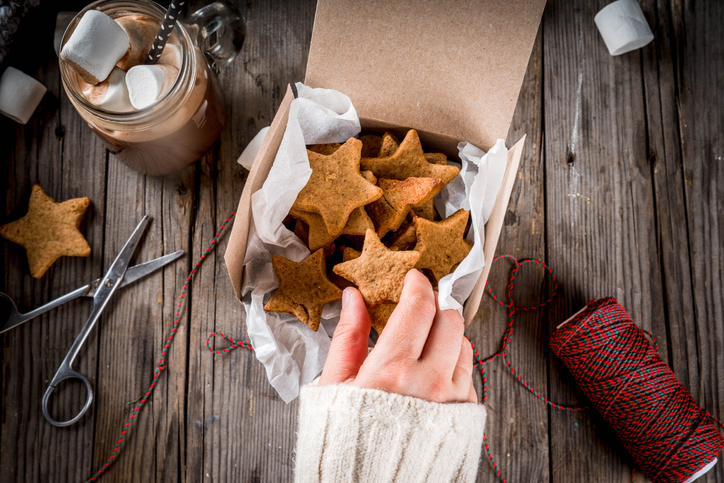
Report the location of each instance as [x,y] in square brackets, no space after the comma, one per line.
[180,126]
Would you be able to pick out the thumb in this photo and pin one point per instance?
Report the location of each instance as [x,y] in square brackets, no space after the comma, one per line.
[349,344]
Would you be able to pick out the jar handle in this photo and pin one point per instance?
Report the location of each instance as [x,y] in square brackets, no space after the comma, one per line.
[221,32]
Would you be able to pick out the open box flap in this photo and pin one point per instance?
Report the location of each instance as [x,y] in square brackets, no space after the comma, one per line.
[451,67]
[236,249]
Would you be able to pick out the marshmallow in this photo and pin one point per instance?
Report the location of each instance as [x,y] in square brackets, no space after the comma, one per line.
[62,20]
[97,44]
[146,83]
[141,32]
[623,27]
[20,95]
[111,94]
[252,149]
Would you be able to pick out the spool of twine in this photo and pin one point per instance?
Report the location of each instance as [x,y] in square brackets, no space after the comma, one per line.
[668,435]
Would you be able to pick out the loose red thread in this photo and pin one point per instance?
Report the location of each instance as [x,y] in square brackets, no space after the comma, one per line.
[507,336]
[159,365]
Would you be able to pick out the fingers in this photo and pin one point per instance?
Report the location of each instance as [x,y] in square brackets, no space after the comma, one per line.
[349,344]
[443,344]
[462,377]
[473,396]
[409,325]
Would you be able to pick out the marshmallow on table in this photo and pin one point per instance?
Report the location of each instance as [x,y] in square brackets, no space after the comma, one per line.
[246,159]
[141,33]
[146,83]
[623,27]
[97,44]
[20,94]
[111,94]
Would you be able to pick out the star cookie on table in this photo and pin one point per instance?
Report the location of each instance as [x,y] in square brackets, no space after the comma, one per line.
[379,273]
[304,288]
[398,199]
[442,244]
[336,186]
[49,230]
[357,224]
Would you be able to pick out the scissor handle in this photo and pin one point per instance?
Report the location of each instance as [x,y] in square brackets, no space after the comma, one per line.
[64,373]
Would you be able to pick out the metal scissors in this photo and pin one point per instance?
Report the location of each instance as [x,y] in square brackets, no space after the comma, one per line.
[118,275]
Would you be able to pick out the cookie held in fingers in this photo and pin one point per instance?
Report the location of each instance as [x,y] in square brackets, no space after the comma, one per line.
[379,315]
[379,273]
[336,186]
[442,244]
[304,288]
[49,230]
[398,200]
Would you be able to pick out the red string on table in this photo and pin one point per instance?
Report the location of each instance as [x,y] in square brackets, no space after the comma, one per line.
[668,435]
[160,364]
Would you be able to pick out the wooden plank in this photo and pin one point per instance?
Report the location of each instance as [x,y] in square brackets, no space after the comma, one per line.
[56,150]
[136,325]
[517,425]
[601,234]
[699,64]
[664,156]
[238,429]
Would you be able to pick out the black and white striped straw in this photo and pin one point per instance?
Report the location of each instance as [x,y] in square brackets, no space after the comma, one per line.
[169,20]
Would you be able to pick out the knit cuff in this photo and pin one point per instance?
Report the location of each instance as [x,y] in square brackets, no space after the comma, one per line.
[347,433]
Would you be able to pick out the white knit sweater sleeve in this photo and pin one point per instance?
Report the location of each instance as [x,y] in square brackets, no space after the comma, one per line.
[350,434]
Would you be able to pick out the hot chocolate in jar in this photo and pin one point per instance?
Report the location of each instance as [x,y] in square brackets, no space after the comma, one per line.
[156,117]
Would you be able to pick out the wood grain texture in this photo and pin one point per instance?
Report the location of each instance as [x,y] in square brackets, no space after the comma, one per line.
[238,428]
[600,214]
[517,425]
[50,150]
[700,64]
[620,191]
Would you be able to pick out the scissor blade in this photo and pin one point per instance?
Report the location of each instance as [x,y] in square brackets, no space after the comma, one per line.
[119,266]
[138,271]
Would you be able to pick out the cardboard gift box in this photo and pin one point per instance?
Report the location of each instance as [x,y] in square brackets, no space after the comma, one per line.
[452,70]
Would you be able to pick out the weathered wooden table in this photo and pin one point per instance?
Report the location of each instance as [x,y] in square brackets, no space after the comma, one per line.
[621,191]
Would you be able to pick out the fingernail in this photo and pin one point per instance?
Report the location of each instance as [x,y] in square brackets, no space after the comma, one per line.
[345,297]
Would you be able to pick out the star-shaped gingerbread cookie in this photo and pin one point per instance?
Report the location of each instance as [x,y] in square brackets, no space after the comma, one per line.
[304,288]
[442,244]
[357,224]
[379,315]
[49,230]
[379,273]
[336,186]
[398,199]
[408,160]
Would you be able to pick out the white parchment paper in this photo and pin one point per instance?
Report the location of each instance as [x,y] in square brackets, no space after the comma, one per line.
[292,354]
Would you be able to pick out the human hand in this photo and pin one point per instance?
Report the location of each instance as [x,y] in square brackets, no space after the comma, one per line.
[421,353]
